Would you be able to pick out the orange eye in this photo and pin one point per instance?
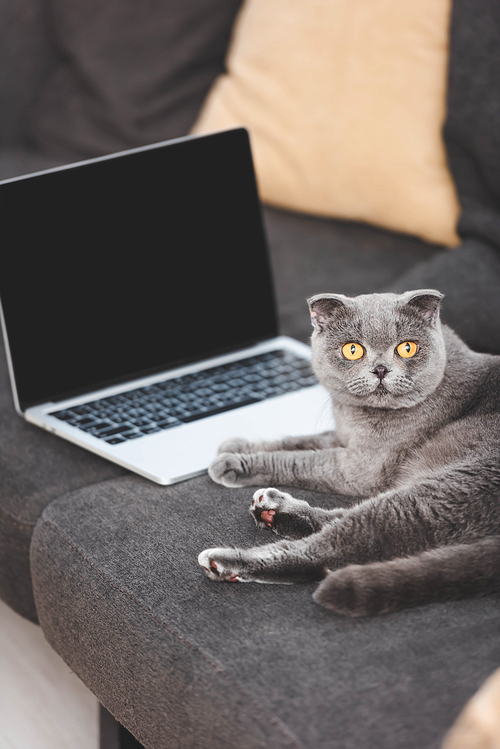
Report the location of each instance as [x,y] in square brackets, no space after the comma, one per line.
[407,349]
[352,351]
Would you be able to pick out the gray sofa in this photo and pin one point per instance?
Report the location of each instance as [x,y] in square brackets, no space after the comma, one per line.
[106,561]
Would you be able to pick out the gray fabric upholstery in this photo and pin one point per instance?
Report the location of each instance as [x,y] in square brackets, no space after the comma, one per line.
[188,663]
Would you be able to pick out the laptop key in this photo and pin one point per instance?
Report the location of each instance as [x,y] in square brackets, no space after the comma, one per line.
[97,426]
[80,410]
[116,430]
[84,421]
[212,411]
[63,415]
[159,416]
[131,435]
[168,423]
[140,422]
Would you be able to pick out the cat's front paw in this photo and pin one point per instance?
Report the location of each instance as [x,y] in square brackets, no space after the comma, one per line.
[265,504]
[281,512]
[232,470]
[221,564]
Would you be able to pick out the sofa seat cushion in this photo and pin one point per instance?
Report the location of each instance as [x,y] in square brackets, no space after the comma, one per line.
[183,661]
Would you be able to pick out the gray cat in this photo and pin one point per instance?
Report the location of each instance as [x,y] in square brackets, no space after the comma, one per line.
[416,446]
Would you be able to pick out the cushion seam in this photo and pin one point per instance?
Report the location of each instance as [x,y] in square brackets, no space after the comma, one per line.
[216,666]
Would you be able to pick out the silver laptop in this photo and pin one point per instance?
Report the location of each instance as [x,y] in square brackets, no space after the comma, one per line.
[138,309]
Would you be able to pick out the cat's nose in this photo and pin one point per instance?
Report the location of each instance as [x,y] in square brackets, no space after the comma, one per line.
[380,371]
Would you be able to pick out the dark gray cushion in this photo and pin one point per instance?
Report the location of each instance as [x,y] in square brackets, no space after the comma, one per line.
[128,73]
[182,661]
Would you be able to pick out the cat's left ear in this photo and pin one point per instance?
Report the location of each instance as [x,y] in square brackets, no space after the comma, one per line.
[425,302]
[324,307]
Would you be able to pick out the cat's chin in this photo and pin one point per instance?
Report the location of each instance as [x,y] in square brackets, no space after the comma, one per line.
[383,398]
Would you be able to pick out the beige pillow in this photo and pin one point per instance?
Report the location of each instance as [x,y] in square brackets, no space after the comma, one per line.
[478,725]
[344,101]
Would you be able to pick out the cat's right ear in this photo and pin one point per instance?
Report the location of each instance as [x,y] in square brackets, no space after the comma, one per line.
[324,307]
[424,302]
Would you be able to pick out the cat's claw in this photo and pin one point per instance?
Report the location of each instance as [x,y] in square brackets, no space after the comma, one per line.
[220,565]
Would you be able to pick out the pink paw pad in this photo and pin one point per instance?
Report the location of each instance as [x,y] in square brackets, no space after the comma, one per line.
[267,517]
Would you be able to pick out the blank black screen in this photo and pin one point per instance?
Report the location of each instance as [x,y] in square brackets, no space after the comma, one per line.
[133,264]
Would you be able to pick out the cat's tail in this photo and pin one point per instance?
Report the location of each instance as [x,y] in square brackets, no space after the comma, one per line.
[444,574]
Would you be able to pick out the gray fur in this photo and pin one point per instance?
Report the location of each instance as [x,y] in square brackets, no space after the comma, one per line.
[416,446]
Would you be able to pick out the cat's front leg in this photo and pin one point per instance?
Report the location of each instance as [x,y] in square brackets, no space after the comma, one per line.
[309,469]
[335,470]
[287,516]
[305,442]
[222,564]
[253,469]
[282,562]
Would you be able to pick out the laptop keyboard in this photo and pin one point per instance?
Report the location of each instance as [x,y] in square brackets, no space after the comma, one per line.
[180,400]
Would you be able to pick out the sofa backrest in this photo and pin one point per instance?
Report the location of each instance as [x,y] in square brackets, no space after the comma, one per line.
[128,72]
[25,61]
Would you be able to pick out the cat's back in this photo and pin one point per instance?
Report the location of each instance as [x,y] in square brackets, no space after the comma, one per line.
[488,394]
[472,380]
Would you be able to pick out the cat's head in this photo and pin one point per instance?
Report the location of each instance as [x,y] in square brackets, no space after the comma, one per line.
[378,350]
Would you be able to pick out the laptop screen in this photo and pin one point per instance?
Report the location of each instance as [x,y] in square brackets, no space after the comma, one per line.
[125,266]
